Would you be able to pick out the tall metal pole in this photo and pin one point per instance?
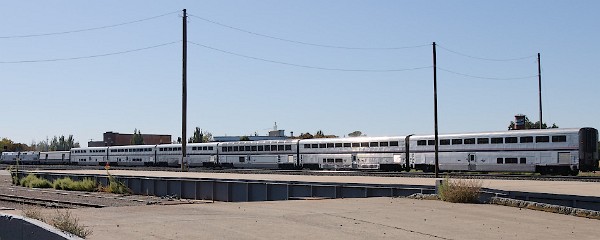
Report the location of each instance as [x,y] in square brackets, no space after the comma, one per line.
[184,94]
[435,115]
[540,88]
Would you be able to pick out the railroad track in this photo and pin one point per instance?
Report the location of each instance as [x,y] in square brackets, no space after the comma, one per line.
[524,176]
[51,203]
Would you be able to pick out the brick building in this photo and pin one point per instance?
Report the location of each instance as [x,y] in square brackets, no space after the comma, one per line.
[122,139]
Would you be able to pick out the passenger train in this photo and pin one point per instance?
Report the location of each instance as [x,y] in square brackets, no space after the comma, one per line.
[547,151]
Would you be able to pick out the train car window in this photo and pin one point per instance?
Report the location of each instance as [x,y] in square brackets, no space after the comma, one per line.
[210,148]
[254,148]
[267,147]
[430,142]
[383,144]
[247,148]
[445,142]
[393,143]
[280,147]
[499,160]
[510,139]
[242,159]
[235,148]
[273,147]
[314,145]
[224,149]
[229,148]
[306,145]
[469,141]
[497,140]
[510,160]
[542,139]
[194,148]
[365,144]
[347,144]
[528,139]
[483,141]
[322,145]
[374,144]
[421,142]
[338,145]
[523,161]
[324,160]
[288,147]
[329,145]
[355,144]
[457,141]
[338,160]
[204,148]
[559,138]
[261,148]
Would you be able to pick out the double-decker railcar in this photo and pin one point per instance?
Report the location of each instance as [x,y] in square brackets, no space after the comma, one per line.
[202,154]
[282,154]
[168,155]
[548,151]
[133,155]
[89,156]
[361,153]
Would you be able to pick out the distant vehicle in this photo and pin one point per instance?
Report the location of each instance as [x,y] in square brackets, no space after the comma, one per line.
[545,151]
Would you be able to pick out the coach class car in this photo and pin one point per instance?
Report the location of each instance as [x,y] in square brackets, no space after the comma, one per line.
[55,157]
[549,151]
[282,154]
[362,153]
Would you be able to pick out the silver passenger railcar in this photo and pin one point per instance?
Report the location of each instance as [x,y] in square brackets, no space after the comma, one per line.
[133,155]
[362,153]
[89,156]
[55,157]
[202,154]
[548,151]
[282,154]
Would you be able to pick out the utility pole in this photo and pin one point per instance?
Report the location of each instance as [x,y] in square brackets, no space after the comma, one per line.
[435,115]
[184,94]
[540,88]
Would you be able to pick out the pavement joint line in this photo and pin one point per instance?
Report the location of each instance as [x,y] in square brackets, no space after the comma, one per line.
[399,228]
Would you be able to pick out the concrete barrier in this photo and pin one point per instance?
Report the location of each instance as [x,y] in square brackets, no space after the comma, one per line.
[22,228]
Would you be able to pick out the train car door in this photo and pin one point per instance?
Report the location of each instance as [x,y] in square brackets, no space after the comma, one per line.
[354,162]
[472,159]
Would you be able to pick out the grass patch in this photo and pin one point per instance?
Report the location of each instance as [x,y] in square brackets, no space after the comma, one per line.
[32,181]
[115,186]
[66,222]
[460,190]
[33,212]
[66,183]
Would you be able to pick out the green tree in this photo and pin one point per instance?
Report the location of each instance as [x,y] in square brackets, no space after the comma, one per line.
[137,138]
[244,138]
[306,136]
[200,136]
[531,125]
[355,134]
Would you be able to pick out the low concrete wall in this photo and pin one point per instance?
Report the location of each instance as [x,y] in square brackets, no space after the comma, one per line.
[19,227]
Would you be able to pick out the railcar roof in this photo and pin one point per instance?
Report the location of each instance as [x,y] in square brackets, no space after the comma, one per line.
[532,132]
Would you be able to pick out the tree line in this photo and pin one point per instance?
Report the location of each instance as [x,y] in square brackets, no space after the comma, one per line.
[58,143]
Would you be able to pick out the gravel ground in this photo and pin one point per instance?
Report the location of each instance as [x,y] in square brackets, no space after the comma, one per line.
[100,198]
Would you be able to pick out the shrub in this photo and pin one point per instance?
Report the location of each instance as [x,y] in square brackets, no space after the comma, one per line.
[460,190]
[66,183]
[32,181]
[33,212]
[68,223]
[115,186]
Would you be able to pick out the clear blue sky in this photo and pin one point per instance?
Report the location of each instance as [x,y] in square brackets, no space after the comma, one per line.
[233,95]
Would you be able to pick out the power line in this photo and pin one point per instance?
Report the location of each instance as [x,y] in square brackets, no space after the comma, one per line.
[307,66]
[86,29]
[483,77]
[487,59]
[306,43]
[91,56]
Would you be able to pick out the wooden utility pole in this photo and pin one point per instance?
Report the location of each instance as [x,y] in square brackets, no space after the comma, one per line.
[184,94]
[540,88]
[435,115]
